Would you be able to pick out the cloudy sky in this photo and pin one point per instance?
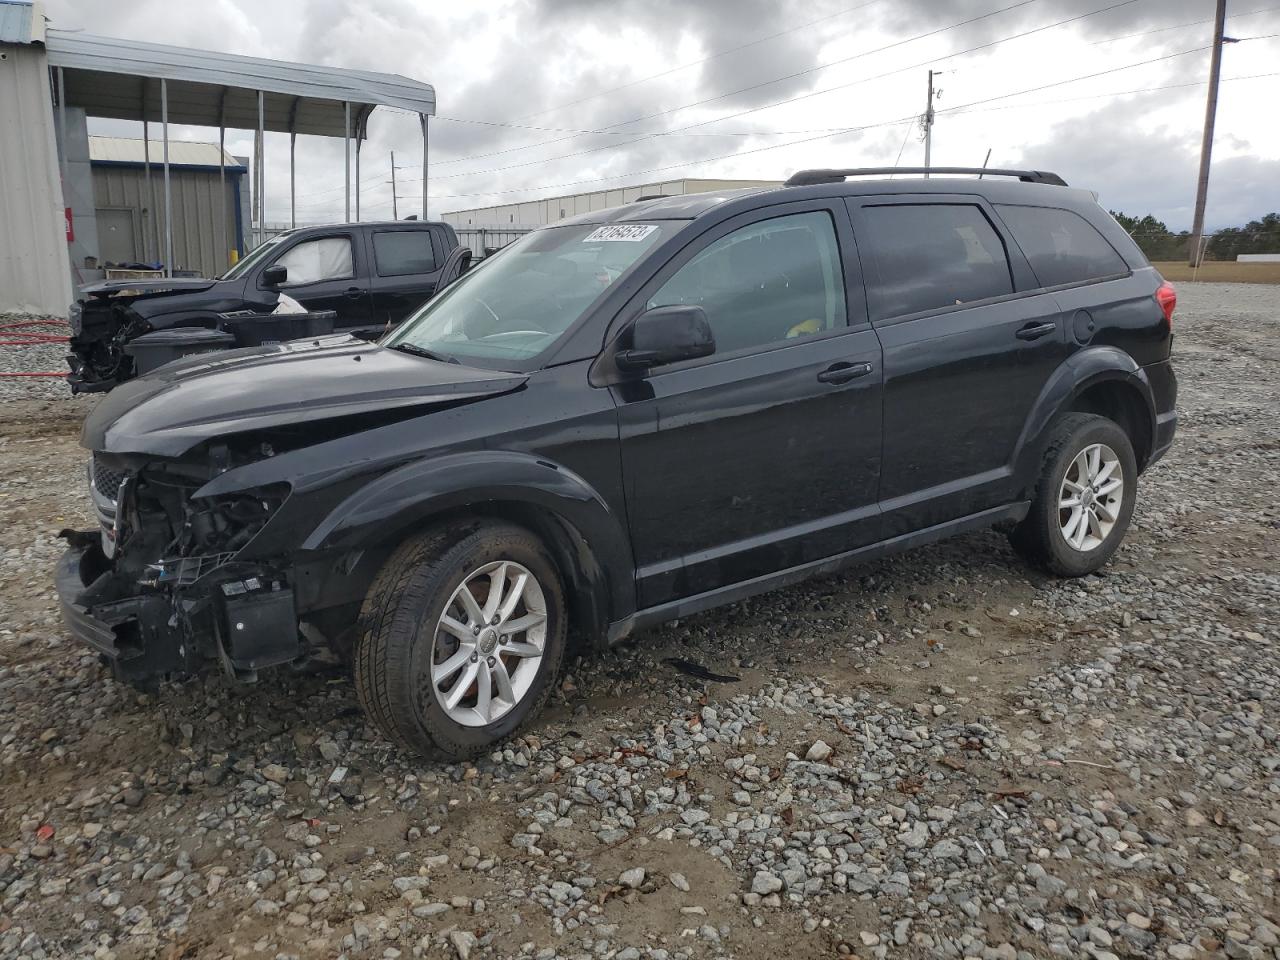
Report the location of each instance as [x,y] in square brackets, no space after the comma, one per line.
[545,97]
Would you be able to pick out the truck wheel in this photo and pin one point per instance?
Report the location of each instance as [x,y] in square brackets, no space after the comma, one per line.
[1084,498]
[460,638]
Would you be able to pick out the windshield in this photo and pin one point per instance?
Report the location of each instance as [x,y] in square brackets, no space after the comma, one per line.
[258,253]
[516,304]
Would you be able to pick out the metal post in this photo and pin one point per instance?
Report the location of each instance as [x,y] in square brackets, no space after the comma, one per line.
[293,197]
[293,146]
[224,256]
[149,209]
[262,167]
[346,158]
[422,118]
[359,138]
[168,195]
[928,128]
[1194,251]
[394,214]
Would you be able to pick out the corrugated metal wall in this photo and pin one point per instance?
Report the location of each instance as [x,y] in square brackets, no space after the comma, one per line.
[196,237]
[35,272]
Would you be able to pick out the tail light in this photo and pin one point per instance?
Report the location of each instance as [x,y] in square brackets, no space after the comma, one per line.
[1167,297]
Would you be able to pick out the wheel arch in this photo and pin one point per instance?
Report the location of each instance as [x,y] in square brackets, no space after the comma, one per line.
[1101,380]
[586,539]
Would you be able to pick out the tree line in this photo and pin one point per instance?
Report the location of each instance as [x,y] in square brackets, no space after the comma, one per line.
[1158,242]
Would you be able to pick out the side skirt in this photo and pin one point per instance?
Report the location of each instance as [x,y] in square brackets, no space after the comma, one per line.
[734,592]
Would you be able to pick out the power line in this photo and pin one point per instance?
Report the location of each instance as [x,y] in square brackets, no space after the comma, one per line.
[1189,23]
[959,110]
[683,66]
[756,86]
[805,96]
[824,136]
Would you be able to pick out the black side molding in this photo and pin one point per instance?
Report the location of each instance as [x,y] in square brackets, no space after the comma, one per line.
[805,178]
[688,606]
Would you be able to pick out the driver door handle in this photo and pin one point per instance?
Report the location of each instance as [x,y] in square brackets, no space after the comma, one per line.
[845,371]
[1034,331]
[355,293]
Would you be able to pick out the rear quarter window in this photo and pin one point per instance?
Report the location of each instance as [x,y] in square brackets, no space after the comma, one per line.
[401,253]
[1061,246]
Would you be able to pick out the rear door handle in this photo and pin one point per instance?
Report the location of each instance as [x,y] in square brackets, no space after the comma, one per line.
[843,372]
[1034,331]
[355,293]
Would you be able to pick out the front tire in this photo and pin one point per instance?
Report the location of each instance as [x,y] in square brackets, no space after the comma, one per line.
[1084,498]
[461,637]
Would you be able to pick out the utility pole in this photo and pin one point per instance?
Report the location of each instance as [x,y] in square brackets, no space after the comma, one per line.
[1206,145]
[394,214]
[928,125]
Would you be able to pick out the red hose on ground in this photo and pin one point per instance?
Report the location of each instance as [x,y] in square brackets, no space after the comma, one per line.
[25,339]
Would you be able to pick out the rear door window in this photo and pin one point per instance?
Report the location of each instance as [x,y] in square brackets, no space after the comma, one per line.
[928,256]
[399,253]
[1061,246]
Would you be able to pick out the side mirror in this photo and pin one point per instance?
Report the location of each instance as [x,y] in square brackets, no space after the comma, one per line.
[667,335]
[275,275]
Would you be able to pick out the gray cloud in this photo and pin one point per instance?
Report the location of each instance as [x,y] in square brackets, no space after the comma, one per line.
[1140,173]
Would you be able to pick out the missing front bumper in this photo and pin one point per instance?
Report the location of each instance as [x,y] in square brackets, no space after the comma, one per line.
[246,622]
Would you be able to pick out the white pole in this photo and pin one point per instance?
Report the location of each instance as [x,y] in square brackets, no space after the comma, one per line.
[293,199]
[346,158]
[168,195]
[422,117]
[262,168]
[146,183]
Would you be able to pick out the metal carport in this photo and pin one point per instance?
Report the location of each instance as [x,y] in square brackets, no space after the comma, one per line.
[128,80]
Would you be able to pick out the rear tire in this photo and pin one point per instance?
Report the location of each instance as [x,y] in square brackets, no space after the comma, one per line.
[436,669]
[1084,498]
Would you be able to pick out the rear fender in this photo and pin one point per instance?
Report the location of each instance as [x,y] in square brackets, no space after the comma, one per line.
[586,532]
[1084,369]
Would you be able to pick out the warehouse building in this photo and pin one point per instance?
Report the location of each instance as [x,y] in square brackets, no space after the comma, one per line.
[52,82]
[537,213]
[208,204]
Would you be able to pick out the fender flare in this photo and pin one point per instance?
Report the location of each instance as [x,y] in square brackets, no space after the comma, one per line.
[591,534]
[1075,375]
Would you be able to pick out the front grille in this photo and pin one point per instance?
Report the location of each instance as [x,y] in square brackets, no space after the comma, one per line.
[106,480]
[104,493]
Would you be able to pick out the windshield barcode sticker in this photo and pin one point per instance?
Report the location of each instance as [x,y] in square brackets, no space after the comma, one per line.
[620,231]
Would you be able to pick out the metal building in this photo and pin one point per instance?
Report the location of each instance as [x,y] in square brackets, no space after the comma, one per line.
[33,227]
[536,213]
[127,196]
[53,80]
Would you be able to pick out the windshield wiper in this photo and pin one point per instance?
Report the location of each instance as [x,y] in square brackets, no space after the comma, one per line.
[418,351]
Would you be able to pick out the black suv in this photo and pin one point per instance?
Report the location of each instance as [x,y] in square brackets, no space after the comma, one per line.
[624,418]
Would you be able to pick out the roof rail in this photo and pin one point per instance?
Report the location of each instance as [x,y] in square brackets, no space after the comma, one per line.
[653,196]
[804,178]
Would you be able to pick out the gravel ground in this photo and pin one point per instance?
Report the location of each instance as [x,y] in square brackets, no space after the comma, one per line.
[941,755]
[43,357]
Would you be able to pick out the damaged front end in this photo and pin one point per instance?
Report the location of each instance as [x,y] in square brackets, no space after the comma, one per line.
[161,587]
[100,328]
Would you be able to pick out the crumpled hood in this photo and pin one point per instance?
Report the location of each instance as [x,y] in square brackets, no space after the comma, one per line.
[184,403]
[113,288]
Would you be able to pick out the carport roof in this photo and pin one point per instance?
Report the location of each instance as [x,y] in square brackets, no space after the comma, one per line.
[113,77]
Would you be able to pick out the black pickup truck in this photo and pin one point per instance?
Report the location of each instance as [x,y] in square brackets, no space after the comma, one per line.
[371,275]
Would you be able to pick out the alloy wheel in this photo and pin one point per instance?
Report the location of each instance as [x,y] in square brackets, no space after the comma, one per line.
[489,643]
[1090,497]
